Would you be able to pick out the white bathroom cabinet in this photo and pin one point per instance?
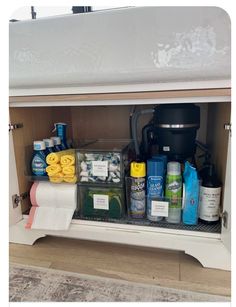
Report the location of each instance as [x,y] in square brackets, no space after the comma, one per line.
[88,119]
[90,71]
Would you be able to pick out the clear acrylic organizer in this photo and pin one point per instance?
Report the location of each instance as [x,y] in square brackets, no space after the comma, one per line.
[156,209]
[104,161]
[101,202]
[31,177]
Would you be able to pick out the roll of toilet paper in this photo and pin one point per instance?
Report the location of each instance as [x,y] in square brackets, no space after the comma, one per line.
[47,194]
[53,206]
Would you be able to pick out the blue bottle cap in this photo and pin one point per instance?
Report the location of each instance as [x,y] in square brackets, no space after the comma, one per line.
[155,167]
[48,142]
[39,145]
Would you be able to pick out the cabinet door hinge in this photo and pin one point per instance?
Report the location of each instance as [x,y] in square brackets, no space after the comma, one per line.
[228,127]
[224,216]
[16,199]
[15,126]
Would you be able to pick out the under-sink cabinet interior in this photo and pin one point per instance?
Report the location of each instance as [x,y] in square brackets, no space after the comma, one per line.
[113,122]
[107,122]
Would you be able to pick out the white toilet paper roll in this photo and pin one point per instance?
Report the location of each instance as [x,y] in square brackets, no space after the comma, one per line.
[53,205]
[47,194]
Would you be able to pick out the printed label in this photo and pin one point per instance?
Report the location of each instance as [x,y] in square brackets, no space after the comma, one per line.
[137,197]
[174,186]
[100,168]
[101,202]
[166,148]
[37,146]
[38,166]
[209,204]
[155,186]
[138,186]
[174,190]
[137,207]
[159,208]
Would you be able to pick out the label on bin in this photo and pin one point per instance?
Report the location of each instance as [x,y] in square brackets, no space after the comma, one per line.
[166,148]
[101,201]
[159,208]
[100,168]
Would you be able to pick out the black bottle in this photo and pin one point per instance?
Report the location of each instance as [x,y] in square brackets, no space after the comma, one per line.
[209,200]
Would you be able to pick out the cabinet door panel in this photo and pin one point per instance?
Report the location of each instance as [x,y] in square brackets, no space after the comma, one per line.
[15,214]
[226,231]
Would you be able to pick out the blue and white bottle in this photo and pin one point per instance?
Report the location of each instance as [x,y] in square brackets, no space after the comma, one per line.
[155,182]
[38,164]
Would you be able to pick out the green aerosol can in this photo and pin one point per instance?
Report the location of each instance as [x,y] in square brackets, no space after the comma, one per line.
[173,192]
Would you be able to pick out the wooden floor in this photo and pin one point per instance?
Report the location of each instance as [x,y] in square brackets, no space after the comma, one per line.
[154,266]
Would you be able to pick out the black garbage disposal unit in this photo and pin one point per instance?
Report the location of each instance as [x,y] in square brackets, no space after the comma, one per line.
[176,126]
[173,128]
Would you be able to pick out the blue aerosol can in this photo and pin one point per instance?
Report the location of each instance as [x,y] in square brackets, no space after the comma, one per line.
[155,186]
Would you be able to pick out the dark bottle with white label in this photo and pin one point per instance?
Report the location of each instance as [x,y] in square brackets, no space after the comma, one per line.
[209,201]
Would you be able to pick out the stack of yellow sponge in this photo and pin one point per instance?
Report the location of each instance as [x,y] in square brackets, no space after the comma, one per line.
[61,166]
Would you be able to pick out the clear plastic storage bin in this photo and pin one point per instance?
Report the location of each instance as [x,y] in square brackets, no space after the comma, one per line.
[57,171]
[104,161]
[156,209]
[101,202]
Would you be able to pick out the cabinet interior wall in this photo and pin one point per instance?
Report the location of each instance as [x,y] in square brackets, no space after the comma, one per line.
[91,122]
[37,124]
[217,137]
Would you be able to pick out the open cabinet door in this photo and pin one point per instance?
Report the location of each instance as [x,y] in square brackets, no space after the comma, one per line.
[226,219]
[15,214]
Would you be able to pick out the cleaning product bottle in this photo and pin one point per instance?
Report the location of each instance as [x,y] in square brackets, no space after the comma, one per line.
[163,158]
[38,164]
[60,129]
[155,180]
[137,193]
[57,143]
[49,145]
[210,191]
[191,195]
[173,192]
